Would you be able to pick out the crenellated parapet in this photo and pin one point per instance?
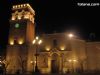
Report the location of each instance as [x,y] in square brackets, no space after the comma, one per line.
[23,11]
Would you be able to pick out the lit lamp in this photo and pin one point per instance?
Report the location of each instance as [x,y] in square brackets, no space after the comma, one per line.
[21,5]
[26,16]
[32,62]
[13,17]
[70,60]
[36,42]
[70,35]
[19,17]
[11,42]
[1,62]
[20,41]
[47,48]
[24,5]
[13,7]
[18,6]
[62,48]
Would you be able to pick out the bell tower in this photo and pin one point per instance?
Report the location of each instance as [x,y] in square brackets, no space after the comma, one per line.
[21,34]
[22,27]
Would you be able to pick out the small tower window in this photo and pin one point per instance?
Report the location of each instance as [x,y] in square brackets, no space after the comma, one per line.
[16,40]
[55,42]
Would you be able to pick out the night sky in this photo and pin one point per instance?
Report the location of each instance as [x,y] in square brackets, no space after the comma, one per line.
[55,16]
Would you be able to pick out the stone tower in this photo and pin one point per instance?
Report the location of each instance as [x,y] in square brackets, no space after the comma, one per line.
[21,34]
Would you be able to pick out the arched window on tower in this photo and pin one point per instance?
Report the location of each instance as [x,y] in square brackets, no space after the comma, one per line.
[15,40]
[55,43]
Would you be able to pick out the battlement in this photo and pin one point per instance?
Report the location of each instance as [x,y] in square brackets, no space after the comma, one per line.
[23,11]
[23,6]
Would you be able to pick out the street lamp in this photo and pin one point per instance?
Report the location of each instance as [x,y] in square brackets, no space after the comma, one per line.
[70,35]
[36,42]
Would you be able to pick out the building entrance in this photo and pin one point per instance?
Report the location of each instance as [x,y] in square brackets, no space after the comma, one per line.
[55,63]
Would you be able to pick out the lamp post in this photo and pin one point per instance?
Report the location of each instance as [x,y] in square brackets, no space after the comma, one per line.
[36,42]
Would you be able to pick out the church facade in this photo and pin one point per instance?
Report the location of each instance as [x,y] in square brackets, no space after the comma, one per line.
[56,53]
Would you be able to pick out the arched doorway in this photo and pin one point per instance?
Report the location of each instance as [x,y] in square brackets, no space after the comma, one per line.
[55,63]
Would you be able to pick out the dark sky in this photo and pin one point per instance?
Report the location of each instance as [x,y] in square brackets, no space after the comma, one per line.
[55,15]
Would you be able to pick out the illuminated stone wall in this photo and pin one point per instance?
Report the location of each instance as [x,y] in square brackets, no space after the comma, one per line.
[79,52]
[93,56]
[16,58]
